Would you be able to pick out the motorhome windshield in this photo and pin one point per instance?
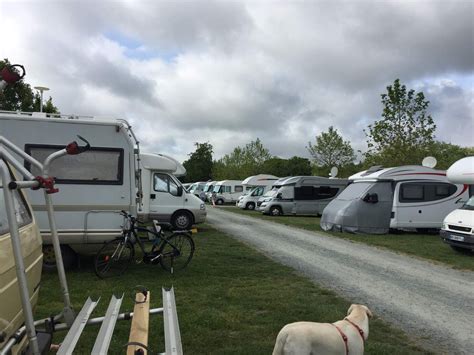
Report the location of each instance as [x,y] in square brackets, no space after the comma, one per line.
[355,190]
[258,191]
[216,188]
[469,205]
[271,193]
[208,188]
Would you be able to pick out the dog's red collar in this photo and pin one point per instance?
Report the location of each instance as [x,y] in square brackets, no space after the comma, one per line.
[344,337]
[361,332]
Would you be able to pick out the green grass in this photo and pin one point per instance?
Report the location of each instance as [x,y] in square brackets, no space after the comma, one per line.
[427,246]
[230,300]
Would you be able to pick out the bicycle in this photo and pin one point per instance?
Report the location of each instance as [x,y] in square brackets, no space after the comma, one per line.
[172,252]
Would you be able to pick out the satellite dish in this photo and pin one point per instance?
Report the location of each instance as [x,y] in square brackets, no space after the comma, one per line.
[334,171]
[429,162]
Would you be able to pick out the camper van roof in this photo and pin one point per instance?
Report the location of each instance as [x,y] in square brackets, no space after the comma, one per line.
[161,162]
[223,182]
[41,116]
[314,180]
[261,179]
[401,173]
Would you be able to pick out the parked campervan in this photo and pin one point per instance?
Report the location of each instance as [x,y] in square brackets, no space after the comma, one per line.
[303,195]
[458,226]
[227,191]
[197,187]
[207,191]
[407,197]
[95,185]
[268,195]
[12,317]
[255,186]
[164,198]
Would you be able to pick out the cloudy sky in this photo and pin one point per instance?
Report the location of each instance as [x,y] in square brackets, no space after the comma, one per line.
[229,72]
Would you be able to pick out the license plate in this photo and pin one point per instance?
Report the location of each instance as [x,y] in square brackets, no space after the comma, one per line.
[457,238]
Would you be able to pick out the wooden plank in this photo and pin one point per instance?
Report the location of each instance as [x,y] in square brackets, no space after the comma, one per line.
[140,322]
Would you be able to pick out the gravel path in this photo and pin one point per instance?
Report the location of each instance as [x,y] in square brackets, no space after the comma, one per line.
[434,304]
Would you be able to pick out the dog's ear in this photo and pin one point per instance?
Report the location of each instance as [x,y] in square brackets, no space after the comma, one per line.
[368,311]
[349,311]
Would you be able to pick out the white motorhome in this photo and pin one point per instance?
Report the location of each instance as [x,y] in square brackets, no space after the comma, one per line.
[269,194]
[408,197]
[458,226]
[303,195]
[164,198]
[227,191]
[207,191]
[197,187]
[94,185]
[256,186]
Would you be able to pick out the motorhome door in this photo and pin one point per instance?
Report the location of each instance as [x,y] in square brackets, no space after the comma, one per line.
[164,199]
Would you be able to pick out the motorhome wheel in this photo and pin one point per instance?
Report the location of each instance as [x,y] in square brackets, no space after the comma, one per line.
[49,258]
[182,220]
[275,211]
[250,206]
[219,202]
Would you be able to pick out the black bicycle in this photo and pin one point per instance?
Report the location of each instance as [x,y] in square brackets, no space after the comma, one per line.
[173,252]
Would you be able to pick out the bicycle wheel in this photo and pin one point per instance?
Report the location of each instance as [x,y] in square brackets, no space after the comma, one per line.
[177,253]
[113,258]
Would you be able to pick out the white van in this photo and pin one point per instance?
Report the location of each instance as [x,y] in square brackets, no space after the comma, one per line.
[197,188]
[257,185]
[207,191]
[164,198]
[407,197]
[458,226]
[227,191]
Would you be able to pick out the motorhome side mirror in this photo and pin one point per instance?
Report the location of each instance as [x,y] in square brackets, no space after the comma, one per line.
[371,198]
[180,191]
[279,195]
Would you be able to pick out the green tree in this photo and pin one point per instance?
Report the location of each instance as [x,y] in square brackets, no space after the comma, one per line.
[406,131]
[242,162]
[21,97]
[331,150]
[295,166]
[446,153]
[199,165]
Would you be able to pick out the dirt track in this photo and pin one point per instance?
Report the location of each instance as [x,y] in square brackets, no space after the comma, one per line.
[434,304]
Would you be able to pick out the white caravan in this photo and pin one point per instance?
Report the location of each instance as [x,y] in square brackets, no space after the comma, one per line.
[256,186]
[458,226]
[227,191]
[407,197]
[303,195]
[164,198]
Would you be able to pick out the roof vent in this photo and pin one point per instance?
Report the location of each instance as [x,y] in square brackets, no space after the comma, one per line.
[373,169]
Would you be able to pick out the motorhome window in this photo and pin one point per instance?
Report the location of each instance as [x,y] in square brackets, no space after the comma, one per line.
[412,192]
[164,183]
[324,192]
[98,166]
[238,188]
[258,191]
[228,189]
[22,213]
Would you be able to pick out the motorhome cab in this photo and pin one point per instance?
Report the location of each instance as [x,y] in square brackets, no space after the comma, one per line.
[207,191]
[258,185]
[458,226]
[11,313]
[227,191]
[267,196]
[197,187]
[303,195]
[164,198]
[406,197]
